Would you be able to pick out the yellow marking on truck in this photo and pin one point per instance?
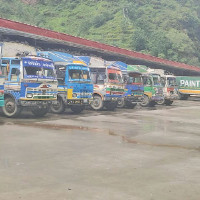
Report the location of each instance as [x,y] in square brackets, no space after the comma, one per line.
[189,91]
[149,94]
[69,93]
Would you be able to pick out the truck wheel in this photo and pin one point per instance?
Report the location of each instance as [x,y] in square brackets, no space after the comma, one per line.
[168,102]
[59,107]
[183,96]
[111,106]
[145,101]
[161,102]
[130,105]
[39,111]
[97,103]
[11,109]
[77,109]
[121,103]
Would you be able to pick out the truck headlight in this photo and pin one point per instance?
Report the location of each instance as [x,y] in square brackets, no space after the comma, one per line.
[29,95]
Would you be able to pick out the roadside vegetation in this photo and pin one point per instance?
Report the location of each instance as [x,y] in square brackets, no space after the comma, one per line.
[167,29]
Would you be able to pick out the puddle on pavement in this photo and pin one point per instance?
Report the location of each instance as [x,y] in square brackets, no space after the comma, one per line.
[110,132]
[58,127]
[128,140]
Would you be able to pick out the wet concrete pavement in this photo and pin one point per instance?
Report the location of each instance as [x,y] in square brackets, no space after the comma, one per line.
[140,154]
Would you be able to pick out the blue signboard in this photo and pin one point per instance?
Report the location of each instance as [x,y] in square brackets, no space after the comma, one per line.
[28,62]
[78,67]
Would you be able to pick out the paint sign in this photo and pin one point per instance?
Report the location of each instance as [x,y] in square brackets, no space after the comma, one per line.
[189,85]
[188,82]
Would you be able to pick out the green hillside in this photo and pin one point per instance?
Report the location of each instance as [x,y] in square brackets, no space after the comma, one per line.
[168,29]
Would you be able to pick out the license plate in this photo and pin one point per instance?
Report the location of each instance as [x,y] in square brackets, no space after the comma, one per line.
[75,102]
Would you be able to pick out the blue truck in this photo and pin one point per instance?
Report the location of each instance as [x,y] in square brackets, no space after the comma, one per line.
[30,83]
[133,84]
[75,88]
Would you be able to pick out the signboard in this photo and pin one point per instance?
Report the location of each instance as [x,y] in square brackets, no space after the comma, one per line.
[29,62]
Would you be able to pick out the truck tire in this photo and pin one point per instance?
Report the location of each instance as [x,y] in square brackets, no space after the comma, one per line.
[111,106]
[121,103]
[97,103]
[145,101]
[161,102]
[40,111]
[59,107]
[77,109]
[11,109]
[168,102]
[183,96]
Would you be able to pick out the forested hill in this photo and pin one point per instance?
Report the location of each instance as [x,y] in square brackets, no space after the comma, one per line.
[165,28]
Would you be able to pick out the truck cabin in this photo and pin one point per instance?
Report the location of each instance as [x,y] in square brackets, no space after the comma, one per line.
[72,73]
[168,81]
[32,68]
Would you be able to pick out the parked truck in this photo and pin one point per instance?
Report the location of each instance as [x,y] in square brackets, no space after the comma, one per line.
[188,85]
[170,87]
[153,91]
[107,80]
[30,83]
[75,88]
[134,88]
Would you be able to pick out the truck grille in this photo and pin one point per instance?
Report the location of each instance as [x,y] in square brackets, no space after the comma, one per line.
[41,93]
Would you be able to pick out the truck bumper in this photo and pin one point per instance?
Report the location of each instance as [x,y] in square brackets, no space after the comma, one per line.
[82,102]
[133,99]
[36,103]
[157,98]
[112,99]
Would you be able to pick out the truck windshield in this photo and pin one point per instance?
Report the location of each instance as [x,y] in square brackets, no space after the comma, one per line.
[38,68]
[77,74]
[132,80]
[39,72]
[171,81]
[114,76]
[156,80]
[147,81]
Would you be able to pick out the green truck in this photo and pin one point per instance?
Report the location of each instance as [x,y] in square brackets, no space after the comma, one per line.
[153,91]
[188,85]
